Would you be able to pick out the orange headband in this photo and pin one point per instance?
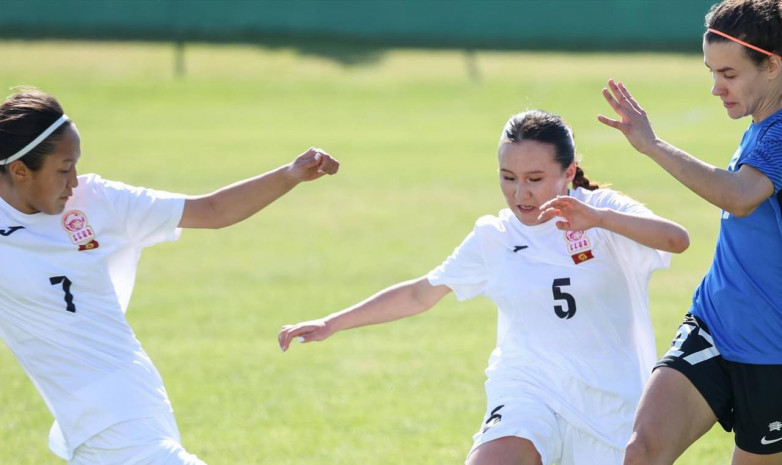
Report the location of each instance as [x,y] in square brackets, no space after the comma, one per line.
[741,42]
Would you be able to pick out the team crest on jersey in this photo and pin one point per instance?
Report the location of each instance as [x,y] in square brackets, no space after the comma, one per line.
[79,230]
[578,246]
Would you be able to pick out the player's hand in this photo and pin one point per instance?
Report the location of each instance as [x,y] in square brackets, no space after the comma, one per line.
[634,122]
[576,215]
[313,330]
[313,164]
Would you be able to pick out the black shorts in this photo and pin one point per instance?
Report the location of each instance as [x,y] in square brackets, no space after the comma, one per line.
[746,399]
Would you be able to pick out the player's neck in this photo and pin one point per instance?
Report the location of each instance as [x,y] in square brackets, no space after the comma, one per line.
[9,193]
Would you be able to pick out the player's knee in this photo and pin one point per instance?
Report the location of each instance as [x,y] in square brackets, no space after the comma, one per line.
[642,449]
[635,452]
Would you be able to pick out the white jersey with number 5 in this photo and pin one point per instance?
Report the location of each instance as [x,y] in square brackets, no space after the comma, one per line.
[573,325]
[65,283]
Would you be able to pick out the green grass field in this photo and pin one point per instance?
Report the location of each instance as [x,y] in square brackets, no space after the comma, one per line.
[416,134]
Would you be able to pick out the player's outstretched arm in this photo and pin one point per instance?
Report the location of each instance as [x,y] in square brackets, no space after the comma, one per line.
[655,232]
[738,193]
[398,301]
[240,200]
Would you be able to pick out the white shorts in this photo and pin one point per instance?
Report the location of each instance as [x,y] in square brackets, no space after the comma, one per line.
[143,441]
[523,415]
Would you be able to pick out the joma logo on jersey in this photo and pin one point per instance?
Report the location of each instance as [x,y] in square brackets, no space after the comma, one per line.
[9,231]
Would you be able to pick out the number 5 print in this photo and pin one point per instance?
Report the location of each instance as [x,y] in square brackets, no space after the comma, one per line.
[560,295]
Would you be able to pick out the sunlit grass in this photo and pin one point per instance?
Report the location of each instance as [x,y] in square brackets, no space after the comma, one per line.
[416,133]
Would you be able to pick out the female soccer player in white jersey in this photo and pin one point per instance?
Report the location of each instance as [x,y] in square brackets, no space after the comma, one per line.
[725,363]
[568,269]
[69,247]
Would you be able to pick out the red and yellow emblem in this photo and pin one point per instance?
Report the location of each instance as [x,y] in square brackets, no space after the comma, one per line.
[582,257]
[578,246]
[79,230]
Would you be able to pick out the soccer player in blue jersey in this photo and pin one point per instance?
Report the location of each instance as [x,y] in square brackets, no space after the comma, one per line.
[725,364]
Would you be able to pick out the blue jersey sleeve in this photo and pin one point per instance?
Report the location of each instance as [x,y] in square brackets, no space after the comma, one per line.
[766,155]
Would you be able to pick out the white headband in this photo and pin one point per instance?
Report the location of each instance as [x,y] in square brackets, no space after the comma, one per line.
[36,141]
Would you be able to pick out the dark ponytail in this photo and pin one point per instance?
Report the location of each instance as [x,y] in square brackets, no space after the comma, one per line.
[582,181]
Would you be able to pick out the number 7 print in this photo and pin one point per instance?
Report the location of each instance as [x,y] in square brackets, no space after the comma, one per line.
[66,287]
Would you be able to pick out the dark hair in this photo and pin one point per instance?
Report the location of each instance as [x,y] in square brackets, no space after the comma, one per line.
[24,116]
[548,128]
[756,22]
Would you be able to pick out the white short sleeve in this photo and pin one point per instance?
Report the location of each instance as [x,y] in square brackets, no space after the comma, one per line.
[149,216]
[465,271]
[640,256]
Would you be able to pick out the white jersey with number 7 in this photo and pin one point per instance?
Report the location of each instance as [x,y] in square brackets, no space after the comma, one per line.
[65,285]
